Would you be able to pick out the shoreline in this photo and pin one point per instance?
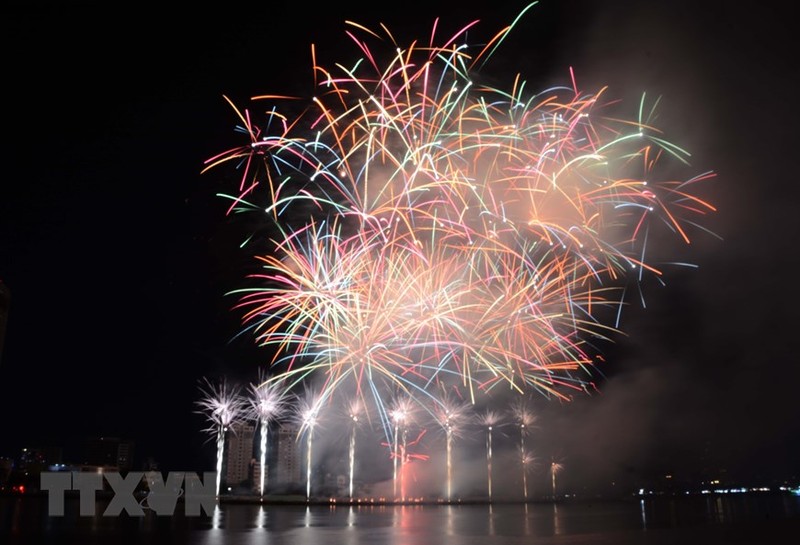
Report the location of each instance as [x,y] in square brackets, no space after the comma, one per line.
[300,500]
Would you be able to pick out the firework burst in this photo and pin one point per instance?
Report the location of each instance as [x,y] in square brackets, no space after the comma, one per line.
[428,229]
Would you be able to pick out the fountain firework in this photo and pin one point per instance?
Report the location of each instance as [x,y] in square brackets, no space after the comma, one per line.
[223,407]
[354,412]
[307,414]
[525,419]
[267,403]
[554,469]
[400,414]
[450,414]
[489,419]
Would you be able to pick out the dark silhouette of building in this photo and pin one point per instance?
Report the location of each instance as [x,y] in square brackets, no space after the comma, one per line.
[24,472]
[239,455]
[40,456]
[109,452]
[290,466]
[5,303]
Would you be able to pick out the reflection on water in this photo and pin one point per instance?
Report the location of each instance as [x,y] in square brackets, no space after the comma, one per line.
[644,514]
[526,519]
[558,529]
[261,517]
[602,522]
[717,509]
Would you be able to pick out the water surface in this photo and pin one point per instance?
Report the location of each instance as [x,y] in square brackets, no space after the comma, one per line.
[741,519]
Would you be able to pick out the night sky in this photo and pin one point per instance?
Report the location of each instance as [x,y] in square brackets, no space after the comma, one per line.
[118,254]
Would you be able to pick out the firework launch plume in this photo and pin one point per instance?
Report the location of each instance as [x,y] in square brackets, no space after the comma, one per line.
[268,402]
[451,413]
[524,418]
[223,407]
[490,420]
[307,413]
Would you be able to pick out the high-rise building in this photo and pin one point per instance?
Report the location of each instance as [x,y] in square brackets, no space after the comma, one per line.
[271,460]
[290,467]
[239,454]
[5,303]
[109,452]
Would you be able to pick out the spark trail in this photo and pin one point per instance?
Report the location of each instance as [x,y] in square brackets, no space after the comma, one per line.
[268,402]
[525,419]
[223,407]
[490,419]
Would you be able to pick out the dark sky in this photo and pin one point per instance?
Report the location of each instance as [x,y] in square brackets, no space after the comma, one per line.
[117,253]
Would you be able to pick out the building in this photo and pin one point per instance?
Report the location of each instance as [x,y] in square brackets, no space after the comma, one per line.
[5,304]
[109,452]
[271,483]
[239,454]
[24,472]
[39,457]
[289,469]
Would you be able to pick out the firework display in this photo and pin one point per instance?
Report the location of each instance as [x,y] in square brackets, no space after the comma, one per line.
[223,407]
[353,414]
[451,416]
[436,240]
[490,419]
[268,401]
[524,419]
